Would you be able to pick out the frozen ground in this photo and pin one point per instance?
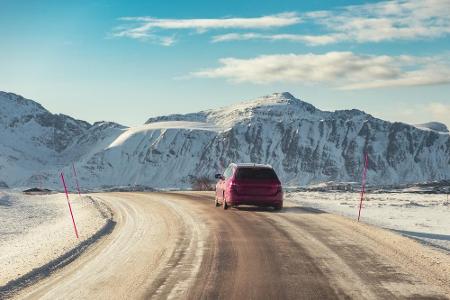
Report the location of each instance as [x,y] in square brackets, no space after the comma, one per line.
[36,230]
[425,217]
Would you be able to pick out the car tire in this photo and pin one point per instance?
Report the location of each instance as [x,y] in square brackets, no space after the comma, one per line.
[224,204]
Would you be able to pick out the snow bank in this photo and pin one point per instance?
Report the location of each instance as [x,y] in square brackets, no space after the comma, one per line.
[424,217]
[37,229]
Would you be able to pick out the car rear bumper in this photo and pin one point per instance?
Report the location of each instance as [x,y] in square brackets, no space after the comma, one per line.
[260,200]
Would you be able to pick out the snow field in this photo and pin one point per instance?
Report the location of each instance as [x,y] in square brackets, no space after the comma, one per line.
[425,217]
[36,229]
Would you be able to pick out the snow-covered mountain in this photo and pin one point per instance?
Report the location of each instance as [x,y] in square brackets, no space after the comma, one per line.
[304,144]
[35,144]
[436,126]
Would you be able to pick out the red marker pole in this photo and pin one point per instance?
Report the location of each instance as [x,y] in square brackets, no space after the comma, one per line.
[68,202]
[76,179]
[363,188]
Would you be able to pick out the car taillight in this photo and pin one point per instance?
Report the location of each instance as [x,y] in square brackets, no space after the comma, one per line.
[279,189]
[234,187]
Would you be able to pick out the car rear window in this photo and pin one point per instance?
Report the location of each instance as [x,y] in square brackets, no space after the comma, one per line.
[256,173]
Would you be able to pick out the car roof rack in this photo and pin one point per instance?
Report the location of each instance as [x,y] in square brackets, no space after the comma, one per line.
[252,165]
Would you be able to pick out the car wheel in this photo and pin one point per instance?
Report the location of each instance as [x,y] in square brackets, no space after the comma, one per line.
[278,207]
[224,204]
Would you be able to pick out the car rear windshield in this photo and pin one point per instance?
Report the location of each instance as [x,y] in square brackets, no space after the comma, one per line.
[256,173]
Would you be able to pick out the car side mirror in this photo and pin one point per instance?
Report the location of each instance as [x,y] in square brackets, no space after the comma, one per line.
[219,176]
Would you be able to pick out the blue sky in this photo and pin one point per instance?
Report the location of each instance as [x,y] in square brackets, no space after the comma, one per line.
[128,60]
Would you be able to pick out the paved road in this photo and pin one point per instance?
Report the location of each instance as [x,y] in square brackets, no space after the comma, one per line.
[179,246]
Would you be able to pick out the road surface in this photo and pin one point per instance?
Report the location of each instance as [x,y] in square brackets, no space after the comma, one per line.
[179,246]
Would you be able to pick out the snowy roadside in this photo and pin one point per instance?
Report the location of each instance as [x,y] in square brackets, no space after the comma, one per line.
[36,233]
[424,217]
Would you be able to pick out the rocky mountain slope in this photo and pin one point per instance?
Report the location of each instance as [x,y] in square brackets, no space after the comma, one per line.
[34,143]
[304,144]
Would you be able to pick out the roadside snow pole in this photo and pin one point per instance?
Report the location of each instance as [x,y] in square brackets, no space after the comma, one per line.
[363,187]
[76,179]
[68,202]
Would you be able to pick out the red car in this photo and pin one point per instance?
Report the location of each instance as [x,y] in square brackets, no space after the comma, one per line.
[250,184]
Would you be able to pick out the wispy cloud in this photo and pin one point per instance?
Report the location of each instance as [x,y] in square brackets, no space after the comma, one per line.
[144,28]
[342,70]
[376,22]
[400,19]
[278,20]
[372,22]
[307,39]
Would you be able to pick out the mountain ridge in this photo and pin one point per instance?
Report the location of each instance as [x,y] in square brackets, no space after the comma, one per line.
[304,144]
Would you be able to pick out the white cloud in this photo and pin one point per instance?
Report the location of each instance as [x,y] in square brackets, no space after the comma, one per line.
[167,40]
[372,22]
[278,20]
[390,20]
[146,37]
[343,70]
[307,39]
[142,28]
[400,19]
